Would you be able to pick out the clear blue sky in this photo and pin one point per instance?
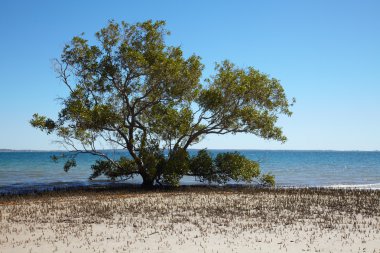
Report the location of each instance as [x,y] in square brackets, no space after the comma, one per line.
[326,54]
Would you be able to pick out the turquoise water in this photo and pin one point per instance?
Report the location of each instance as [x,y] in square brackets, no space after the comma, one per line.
[35,170]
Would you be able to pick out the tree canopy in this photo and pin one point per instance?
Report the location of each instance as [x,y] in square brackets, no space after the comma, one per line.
[130,90]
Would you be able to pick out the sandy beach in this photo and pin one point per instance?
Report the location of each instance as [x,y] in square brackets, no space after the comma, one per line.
[192,220]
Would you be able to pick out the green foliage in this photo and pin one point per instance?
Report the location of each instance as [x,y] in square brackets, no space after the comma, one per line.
[221,169]
[234,166]
[43,123]
[69,164]
[125,169]
[154,160]
[226,167]
[202,166]
[131,91]
[176,166]
[267,179]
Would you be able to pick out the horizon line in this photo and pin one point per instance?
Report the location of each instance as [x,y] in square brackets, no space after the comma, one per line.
[242,149]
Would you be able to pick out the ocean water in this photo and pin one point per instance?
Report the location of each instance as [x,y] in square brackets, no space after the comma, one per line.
[36,170]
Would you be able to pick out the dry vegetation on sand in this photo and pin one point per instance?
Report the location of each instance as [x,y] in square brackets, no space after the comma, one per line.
[192,220]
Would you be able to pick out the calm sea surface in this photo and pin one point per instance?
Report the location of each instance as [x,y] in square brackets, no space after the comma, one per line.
[36,170]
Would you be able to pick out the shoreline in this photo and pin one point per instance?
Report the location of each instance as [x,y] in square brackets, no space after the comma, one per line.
[136,189]
[192,219]
[108,185]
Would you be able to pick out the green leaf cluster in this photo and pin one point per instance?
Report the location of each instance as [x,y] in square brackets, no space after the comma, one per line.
[225,167]
[126,169]
[229,166]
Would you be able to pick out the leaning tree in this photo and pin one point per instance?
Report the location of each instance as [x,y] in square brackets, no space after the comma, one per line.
[129,90]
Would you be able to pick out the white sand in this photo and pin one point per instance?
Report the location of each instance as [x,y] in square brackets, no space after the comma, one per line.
[192,222]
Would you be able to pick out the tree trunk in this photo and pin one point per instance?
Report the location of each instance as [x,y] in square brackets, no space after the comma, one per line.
[147,182]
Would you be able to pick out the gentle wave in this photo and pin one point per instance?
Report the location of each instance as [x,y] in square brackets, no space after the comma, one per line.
[375,186]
